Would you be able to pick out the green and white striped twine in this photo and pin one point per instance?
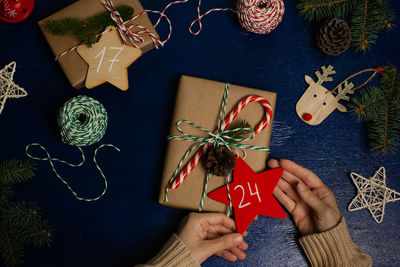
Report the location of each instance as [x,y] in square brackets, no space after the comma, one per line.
[83,122]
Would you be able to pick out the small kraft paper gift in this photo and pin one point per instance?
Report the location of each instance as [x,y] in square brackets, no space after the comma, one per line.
[63,47]
[206,114]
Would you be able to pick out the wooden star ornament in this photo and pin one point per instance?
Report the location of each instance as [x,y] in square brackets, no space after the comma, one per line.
[251,194]
[372,194]
[108,60]
[8,89]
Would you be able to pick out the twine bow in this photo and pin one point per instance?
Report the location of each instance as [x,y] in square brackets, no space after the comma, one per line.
[126,34]
[220,137]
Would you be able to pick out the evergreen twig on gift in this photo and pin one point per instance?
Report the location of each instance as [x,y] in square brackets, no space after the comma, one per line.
[20,222]
[241,133]
[380,108]
[86,29]
[368,17]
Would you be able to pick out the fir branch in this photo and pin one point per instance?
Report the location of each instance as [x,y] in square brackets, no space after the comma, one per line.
[14,171]
[368,104]
[380,108]
[11,250]
[38,236]
[324,9]
[85,30]
[368,18]
[26,224]
[6,192]
[20,222]
[20,214]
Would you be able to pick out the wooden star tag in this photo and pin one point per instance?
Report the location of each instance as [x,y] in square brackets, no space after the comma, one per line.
[108,60]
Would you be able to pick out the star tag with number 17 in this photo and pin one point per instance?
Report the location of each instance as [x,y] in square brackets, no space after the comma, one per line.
[108,60]
[251,194]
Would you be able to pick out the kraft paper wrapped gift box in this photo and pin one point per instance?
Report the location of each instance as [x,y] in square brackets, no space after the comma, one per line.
[199,101]
[74,67]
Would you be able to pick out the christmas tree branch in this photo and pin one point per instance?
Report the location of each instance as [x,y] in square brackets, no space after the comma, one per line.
[324,9]
[13,258]
[368,18]
[380,108]
[20,222]
[386,142]
[14,171]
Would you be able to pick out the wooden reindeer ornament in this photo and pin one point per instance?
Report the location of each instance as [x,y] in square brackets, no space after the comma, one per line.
[317,102]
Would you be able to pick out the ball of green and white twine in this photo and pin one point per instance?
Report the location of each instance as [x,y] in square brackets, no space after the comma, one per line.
[83,122]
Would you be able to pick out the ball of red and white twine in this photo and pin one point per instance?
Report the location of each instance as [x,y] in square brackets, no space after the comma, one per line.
[260,16]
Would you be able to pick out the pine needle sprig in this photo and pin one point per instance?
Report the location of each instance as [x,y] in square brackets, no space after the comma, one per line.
[380,108]
[20,214]
[241,133]
[15,171]
[368,104]
[21,223]
[85,30]
[368,18]
[324,9]
[12,251]
[6,192]
[38,236]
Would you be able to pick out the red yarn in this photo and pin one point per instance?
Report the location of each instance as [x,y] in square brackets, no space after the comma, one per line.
[260,16]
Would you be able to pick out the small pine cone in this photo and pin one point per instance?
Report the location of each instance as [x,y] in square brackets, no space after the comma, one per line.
[334,37]
[219,161]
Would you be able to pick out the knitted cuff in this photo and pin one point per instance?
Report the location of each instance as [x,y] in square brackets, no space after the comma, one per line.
[174,253]
[331,248]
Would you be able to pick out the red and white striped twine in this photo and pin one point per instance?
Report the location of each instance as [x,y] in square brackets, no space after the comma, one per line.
[258,16]
[228,120]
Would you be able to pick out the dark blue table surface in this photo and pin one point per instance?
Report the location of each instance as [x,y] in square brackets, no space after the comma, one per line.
[127,226]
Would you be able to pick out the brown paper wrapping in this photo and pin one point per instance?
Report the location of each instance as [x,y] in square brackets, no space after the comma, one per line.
[199,101]
[74,67]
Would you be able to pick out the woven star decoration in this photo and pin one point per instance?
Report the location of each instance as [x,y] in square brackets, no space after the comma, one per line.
[8,89]
[372,194]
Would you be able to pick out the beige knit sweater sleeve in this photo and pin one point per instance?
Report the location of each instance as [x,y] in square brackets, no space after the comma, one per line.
[173,253]
[334,248]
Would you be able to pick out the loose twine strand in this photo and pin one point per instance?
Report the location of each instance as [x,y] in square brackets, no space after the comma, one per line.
[82,121]
[374,72]
[258,16]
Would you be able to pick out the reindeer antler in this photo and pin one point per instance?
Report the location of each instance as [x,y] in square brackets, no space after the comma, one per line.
[324,77]
[343,89]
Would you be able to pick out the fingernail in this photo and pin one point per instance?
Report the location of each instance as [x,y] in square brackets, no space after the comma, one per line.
[237,238]
[302,187]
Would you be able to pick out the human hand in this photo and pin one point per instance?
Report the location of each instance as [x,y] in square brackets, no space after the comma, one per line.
[311,203]
[206,234]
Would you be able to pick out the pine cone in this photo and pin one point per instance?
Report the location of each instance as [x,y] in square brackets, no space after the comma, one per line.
[219,161]
[334,37]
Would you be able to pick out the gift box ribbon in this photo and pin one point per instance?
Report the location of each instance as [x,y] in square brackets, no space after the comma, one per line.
[220,137]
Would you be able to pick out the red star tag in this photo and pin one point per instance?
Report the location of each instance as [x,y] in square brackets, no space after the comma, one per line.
[251,194]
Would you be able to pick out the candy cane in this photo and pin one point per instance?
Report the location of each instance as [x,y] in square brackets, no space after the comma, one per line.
[228,120]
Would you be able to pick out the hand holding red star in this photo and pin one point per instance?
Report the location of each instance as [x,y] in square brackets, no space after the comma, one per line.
[251,194]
